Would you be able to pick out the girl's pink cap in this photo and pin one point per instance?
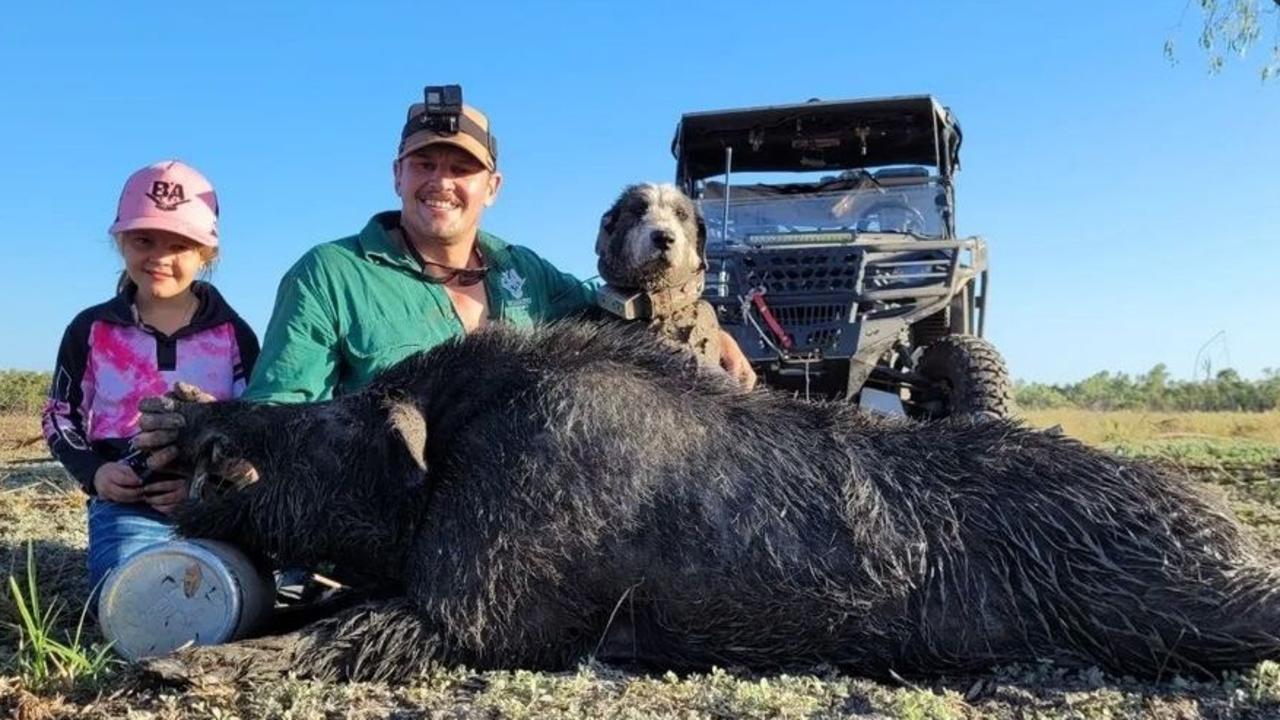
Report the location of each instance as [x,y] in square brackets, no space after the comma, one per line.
[170,196]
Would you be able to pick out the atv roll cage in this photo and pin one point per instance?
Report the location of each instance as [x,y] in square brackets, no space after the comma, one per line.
[838,283]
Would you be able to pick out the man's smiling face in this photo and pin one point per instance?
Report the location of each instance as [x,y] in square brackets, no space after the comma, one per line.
[443,191]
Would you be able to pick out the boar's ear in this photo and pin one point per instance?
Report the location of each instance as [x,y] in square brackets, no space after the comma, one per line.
[408,425]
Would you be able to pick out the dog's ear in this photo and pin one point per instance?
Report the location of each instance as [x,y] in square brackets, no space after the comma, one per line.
[608,222]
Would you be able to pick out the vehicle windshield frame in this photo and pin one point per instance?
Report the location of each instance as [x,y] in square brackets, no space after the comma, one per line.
[907,201]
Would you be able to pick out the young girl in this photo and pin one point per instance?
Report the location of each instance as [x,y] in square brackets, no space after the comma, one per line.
[162,326]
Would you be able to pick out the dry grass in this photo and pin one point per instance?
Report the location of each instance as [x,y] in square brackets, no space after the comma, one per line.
[20,439]
[1134,425]
[38,503]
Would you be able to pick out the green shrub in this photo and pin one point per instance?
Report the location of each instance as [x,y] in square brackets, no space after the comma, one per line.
[23,391]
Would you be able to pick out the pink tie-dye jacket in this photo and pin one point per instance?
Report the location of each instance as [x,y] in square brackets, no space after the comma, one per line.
[108,362]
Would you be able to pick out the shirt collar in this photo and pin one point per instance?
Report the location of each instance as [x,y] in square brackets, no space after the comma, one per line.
[119,309]
[212,310]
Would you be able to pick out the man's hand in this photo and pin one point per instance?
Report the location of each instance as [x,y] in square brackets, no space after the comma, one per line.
[160,422]
[117,482]
[735,362]
[165,495]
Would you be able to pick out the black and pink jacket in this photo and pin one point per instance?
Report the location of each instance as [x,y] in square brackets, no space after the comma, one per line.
[109,361]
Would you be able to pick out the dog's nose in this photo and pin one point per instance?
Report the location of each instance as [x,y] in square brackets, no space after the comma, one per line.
[662,239]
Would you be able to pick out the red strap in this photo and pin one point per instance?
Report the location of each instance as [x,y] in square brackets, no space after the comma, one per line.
[757,299]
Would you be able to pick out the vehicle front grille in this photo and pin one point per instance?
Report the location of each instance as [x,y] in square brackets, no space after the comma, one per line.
[803,315]
[803,272]
[825,339]
[818,294]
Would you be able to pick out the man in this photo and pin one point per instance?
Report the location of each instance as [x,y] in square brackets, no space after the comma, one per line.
[410,280]
[414,278]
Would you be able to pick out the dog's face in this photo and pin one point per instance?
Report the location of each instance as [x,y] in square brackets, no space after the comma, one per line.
[652,238]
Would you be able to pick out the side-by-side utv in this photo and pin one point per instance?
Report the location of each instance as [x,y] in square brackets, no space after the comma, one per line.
[832,253]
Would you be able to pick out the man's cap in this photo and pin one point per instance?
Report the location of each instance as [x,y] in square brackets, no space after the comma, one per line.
[170,196]
[473,135]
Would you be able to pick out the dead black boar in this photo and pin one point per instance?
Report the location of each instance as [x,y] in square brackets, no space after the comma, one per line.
[537,498]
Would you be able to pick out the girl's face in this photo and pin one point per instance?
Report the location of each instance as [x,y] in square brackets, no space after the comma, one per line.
[161,264]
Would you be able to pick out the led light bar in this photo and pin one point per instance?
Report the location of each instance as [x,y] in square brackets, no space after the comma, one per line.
[800,238]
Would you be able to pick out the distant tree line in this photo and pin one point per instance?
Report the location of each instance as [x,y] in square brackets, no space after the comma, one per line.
[1154,390]
[24,391]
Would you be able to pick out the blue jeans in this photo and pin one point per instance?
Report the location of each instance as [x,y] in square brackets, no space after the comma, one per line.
[116,531]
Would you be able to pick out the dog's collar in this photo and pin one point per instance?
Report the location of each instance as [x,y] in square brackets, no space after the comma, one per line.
[632,304]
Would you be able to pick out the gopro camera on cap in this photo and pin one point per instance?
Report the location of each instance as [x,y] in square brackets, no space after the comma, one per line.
[443,108]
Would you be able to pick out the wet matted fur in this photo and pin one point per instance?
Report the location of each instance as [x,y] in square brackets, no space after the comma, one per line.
[652,243]
[526,494]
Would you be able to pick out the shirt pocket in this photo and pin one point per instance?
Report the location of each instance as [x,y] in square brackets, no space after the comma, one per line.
[372,349]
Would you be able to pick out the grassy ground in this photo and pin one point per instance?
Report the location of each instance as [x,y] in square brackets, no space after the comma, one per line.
[1137,425]
[1238,454]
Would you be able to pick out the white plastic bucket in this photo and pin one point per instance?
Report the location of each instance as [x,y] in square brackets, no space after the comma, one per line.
[182,592]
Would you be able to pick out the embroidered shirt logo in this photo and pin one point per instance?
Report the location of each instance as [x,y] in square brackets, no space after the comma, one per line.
[167,195]
[513,284]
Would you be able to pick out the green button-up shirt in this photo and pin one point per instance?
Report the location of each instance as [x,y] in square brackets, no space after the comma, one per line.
[353,307]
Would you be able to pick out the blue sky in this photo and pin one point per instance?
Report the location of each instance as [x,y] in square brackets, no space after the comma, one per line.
[1131,207]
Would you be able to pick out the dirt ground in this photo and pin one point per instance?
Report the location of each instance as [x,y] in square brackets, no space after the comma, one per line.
[41,506]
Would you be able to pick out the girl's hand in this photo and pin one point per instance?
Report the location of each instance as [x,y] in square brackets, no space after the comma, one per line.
[165,495]
[117,482]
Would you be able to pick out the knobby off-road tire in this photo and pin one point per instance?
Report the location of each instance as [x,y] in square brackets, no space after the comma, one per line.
[972,373]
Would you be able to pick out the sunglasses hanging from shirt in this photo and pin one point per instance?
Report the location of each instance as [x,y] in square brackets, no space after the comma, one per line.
[441,274]
[444,274]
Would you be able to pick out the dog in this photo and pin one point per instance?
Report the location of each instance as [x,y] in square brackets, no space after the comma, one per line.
[651,249]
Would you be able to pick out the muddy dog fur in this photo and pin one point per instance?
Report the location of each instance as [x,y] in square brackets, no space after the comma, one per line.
[652,243]
[519,492]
